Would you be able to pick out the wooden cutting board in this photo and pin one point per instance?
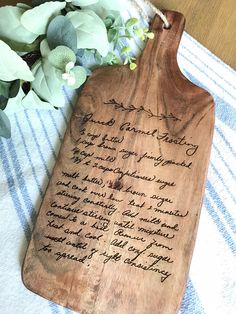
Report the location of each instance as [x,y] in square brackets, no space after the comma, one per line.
[117,227]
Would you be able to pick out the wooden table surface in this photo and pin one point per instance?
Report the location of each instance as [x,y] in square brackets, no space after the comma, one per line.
[212,22]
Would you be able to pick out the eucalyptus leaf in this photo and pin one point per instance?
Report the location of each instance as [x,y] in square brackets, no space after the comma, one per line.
[36,20]
[128,34]
[118,21]
[44,48]
[83,2]
[61,56]
[32,101]
[110,59]
[80,76]
[112,34]
[98,58]
[109,20]
[11,28]
[131,22]
[23,6]
[22,47]
[88,71]
[4,89]
[48,83]
[91,31]
[12,67]
[80,52]
[87,58]
[22,102]
[103,7]
[14,89]
[61,32]
[3,102]
[14,105]
[5,126]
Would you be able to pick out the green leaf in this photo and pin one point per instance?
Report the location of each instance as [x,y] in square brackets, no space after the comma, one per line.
[23,6]
[14,89]
[80,76]
[132,66]
[44,48]
[48,83]
[61,32]
[112,34]
[36,20]
[11,28]
[119,21]
[15,104]
[98,58]
[91,31]
[125,50]
[32,101]
[12,67]
[3,102]
[86,57]
[22,102]
[80,52]
[84,2]
[103,7]
[4,89]
[127,33]
[131,22]
[61,56]
[109,20]
[22,47]
[111,59]
[150,35]
[139,32]
[5,126]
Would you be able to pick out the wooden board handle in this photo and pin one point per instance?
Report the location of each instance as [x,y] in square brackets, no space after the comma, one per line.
[166,41]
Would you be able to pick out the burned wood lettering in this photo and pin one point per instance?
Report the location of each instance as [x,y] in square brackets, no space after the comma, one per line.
[118,222]
[96,200]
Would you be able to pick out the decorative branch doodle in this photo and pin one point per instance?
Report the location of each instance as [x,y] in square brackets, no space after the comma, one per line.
[131,108]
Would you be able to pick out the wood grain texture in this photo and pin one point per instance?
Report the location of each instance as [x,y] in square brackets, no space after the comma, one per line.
[211,22]
[115,234]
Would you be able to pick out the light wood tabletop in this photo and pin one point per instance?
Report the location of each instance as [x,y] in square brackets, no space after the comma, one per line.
[212,22]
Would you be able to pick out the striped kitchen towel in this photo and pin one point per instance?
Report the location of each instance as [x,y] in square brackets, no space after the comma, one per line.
[26,163]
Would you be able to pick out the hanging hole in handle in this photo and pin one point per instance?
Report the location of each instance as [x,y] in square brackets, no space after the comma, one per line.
[167,26]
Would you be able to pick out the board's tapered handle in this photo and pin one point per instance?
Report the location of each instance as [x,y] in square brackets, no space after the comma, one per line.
[160,55]
[166,41]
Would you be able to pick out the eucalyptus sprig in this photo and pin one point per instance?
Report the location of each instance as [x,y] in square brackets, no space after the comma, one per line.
[52,44]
